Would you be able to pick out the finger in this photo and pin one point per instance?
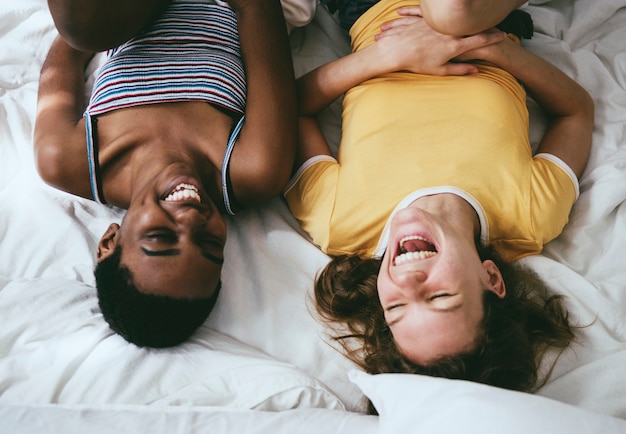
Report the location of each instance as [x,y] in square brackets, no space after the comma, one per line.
[481,40]
[410,10]
[388,33]
[458,69]
[399,22]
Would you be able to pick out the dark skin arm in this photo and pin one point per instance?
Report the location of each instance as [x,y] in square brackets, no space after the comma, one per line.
[262,160]
[59,137]
[263,157]
[92,25]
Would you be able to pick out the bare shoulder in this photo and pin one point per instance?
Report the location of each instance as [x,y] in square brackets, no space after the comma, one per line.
[61,156]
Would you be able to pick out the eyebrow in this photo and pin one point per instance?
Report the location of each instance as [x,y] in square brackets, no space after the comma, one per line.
[174,252]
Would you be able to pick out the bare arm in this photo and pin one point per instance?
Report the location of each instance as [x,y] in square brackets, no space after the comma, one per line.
[59,137]
[408,45]
[94,25]
[264,155]
[569,107]
[466,17]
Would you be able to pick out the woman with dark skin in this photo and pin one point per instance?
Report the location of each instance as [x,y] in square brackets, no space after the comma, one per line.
[176,165]
[97,26]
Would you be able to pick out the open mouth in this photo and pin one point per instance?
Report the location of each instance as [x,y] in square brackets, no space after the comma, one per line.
[184,192]
[414,248]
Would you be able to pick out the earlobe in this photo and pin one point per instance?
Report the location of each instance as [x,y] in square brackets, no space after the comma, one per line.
[496,282]
[108,242]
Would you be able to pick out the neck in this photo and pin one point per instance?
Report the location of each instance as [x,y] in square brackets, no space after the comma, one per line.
[453,209]
[150,160]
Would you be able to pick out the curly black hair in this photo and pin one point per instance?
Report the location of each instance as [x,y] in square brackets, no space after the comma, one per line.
[146,320]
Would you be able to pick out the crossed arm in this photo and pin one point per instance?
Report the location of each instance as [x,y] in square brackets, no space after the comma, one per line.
[408,43]
[567,105]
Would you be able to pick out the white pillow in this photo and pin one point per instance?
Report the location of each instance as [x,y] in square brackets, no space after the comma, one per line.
[57,348]
[420,404]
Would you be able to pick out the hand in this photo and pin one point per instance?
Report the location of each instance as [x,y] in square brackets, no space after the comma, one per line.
[494,53]
[409,44]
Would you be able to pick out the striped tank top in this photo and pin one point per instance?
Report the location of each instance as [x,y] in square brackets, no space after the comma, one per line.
[191,53]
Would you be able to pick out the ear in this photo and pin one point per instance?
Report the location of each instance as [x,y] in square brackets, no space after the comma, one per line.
[496,282]
[108,242]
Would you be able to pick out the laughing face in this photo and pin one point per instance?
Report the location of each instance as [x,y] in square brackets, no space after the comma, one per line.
[431,286]
[172,236]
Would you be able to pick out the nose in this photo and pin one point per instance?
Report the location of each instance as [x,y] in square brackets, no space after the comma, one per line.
[191,217]
[418,276]
[412,282]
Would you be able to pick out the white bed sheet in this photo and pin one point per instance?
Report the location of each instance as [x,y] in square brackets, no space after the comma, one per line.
[56,349]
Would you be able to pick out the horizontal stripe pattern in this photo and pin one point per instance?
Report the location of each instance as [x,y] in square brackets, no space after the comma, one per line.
[191,53]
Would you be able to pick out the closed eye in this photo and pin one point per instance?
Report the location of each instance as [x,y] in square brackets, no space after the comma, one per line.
[209,242]
[165,236]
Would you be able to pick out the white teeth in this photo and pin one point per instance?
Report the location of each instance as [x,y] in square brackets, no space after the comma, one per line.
[411,256]
[408,256]
[184,192]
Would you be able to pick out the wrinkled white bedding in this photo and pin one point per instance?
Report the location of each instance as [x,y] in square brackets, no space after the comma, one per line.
[262,349]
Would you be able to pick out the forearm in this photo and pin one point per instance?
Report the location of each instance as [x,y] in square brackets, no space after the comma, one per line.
[266,148]
[405,44]
[320,87]
[62,83]
[556,92]
[98,25]
[569,107]
[271,97]
[59,136]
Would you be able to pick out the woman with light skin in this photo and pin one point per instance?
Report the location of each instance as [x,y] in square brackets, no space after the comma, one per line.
[191,119]
[435,193]
[448,17]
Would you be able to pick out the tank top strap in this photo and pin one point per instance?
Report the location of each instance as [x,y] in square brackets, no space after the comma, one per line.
[92,158]
[227,191]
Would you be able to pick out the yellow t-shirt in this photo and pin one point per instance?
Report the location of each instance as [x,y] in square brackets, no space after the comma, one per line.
[406,135]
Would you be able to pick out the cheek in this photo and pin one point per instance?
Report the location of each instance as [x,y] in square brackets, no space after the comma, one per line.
[384,286]
[218,227]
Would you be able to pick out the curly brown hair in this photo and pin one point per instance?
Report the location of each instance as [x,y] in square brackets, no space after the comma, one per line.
[517,329]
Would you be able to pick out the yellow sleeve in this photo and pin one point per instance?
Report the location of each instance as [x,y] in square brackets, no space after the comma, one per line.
[554,188]
[311,197]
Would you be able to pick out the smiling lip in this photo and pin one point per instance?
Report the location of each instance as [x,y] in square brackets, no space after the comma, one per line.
[412,248]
